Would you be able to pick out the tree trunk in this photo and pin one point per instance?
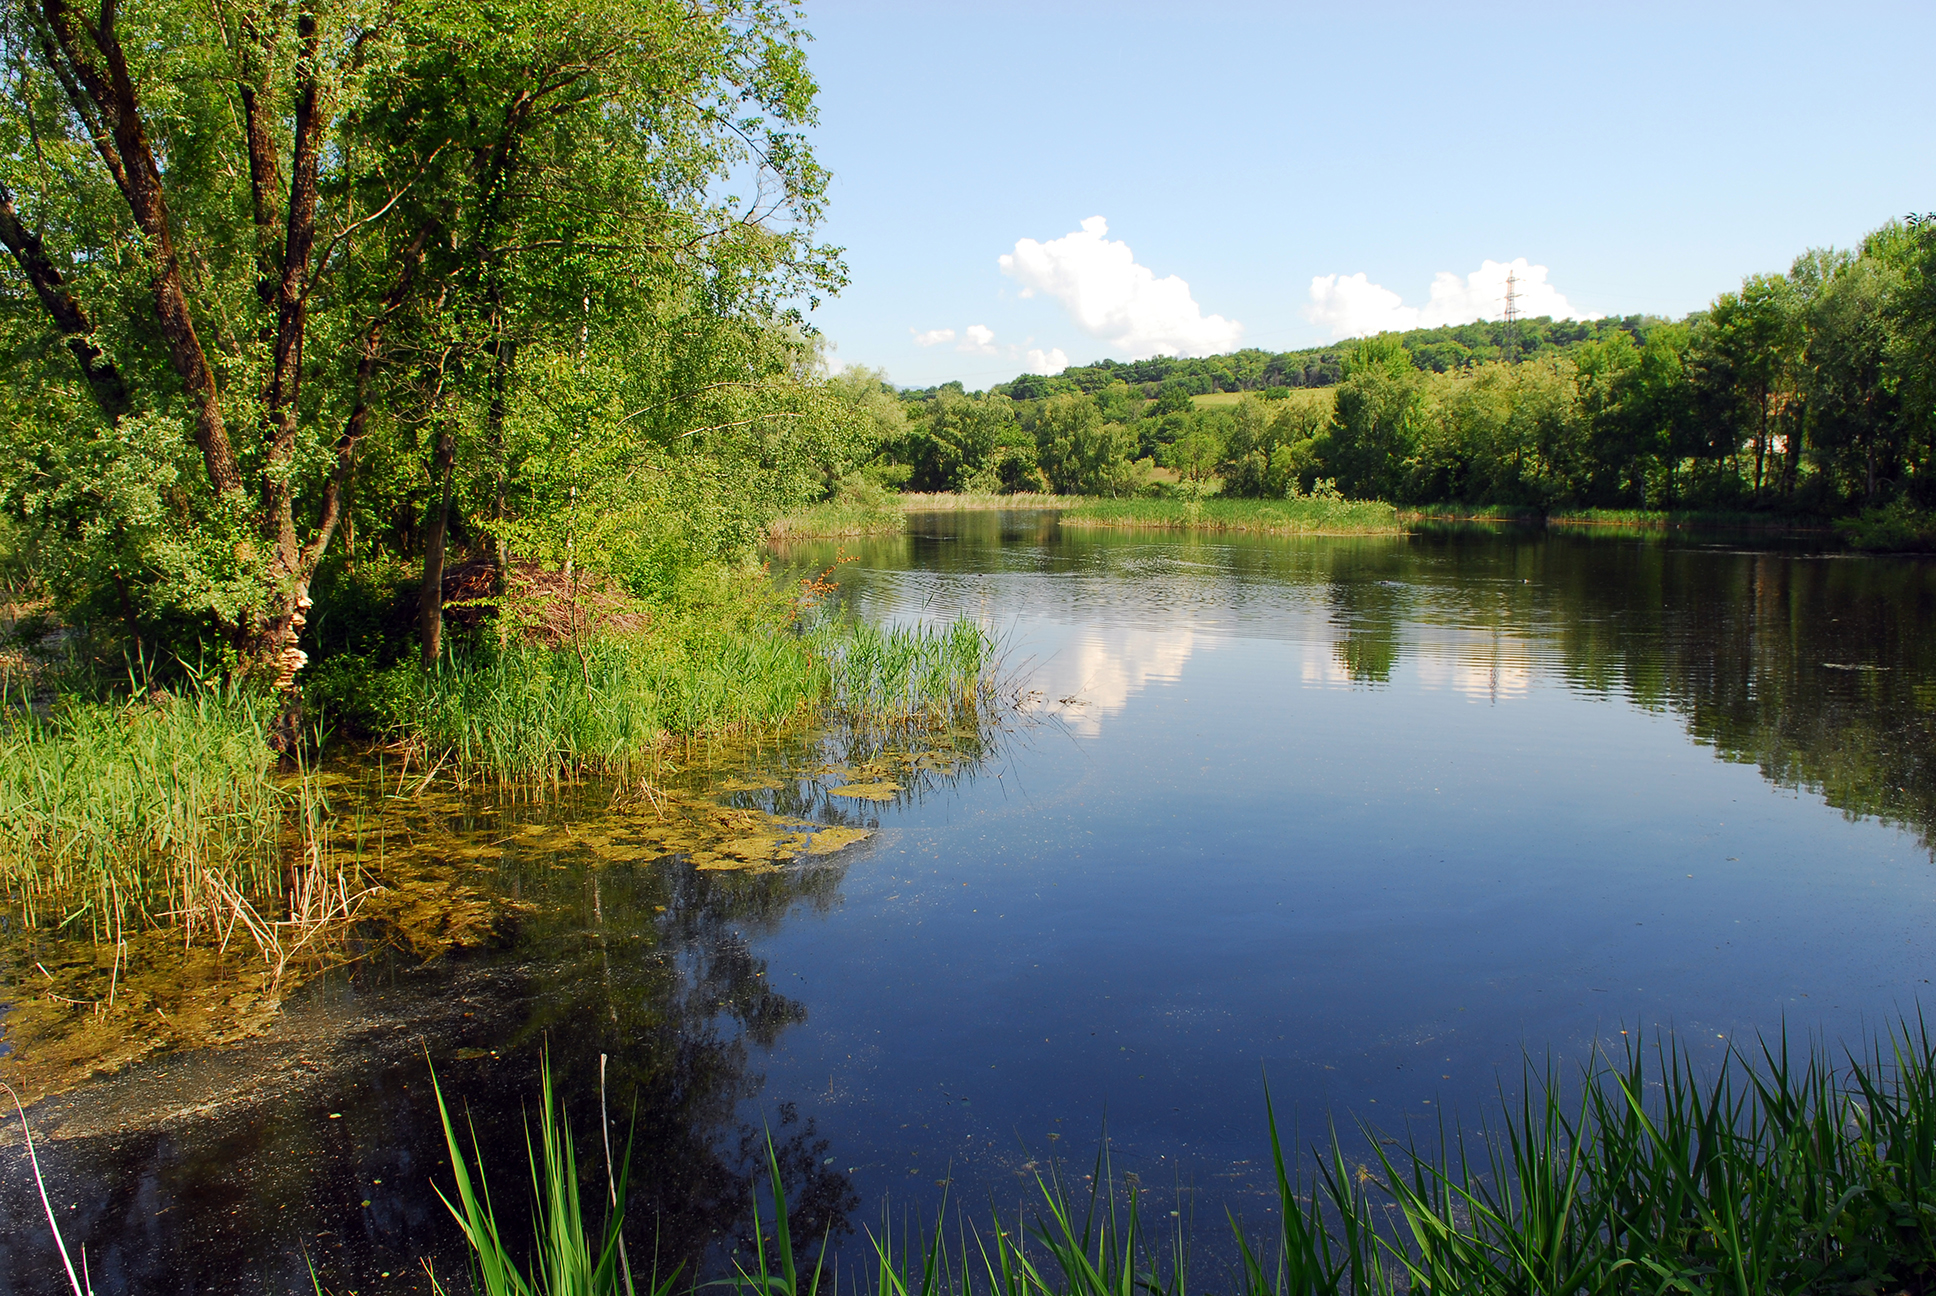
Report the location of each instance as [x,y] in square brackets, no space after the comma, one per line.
[103,379]
[1761,447]
[123,145]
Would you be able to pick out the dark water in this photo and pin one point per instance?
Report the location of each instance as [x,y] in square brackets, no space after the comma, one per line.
[1371,817]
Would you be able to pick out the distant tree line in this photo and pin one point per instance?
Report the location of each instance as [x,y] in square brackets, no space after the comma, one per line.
[1809,391]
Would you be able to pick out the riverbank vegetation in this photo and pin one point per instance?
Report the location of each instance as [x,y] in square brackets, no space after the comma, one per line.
[857,507]
[1806,394]
[417,376]
[1776,1169]
[528,713]
[1317,515]
[150,802]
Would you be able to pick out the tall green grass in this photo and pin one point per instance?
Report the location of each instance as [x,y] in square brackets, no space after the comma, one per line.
[534,712]
[1640,1175]
[1315,515]
[977,501]
[1623,521]
[898,675]
[570,1257]
[859,508]
[1772,1174]
[1673,519]
[107,805]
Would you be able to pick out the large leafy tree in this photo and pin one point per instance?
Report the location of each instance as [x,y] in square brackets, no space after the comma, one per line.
[1376,425]
[247,238]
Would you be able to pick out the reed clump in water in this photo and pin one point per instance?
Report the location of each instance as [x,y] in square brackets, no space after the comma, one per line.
[526,712]
[1315,515]
[907,675]
[1769,1174]
[144,803]
[529,712]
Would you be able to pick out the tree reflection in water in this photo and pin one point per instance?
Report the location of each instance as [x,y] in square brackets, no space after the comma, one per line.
[233,1168]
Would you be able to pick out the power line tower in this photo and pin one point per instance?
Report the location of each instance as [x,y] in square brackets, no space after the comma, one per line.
[1509,349]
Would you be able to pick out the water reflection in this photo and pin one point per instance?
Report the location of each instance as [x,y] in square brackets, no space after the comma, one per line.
[1371,816]
[1816,667]
[1095,677]
[318,1140]
[1406,806]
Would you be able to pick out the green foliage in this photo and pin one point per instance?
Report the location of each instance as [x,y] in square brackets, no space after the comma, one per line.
[1272,451]
[1377,421]
[958,442]
[1896,527]
[1081,453]
[425,277]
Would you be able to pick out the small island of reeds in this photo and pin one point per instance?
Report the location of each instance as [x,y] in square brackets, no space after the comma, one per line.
[1311,515]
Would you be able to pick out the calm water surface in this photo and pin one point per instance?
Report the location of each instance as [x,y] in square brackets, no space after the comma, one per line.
[1370,817]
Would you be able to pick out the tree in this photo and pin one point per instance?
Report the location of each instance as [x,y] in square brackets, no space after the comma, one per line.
[1375,428]
[1757,334]
[274,231]
[1079,452]
[1854,404]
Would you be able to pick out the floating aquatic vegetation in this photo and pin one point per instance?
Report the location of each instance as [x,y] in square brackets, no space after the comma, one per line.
[881,791]
[431,867]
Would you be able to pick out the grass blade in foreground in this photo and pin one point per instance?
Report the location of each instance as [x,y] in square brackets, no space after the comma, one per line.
[1774,1173]
[568,1261]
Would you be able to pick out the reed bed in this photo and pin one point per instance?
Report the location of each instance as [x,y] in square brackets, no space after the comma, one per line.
[146,804]
[977,501]
[1772,1173]
[858,511]
[1642,1174]
[1313,515]
[534,713]
[900,675]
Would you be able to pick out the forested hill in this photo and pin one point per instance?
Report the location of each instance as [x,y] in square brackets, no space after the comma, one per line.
[1455,346]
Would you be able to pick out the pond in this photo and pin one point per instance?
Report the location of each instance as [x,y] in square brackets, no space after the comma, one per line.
[1370,819]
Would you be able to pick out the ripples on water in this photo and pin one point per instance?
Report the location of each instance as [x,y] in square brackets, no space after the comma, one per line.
[1370,816]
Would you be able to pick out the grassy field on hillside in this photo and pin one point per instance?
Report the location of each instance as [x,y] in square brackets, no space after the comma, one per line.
[1299,395]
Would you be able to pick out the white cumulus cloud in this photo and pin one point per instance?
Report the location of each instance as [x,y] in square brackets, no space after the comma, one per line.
[977,339]
[1112,298]
[1353,306]
[933,337]
[1051,361]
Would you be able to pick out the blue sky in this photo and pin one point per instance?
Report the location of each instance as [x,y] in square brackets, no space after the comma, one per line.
[1645,156]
